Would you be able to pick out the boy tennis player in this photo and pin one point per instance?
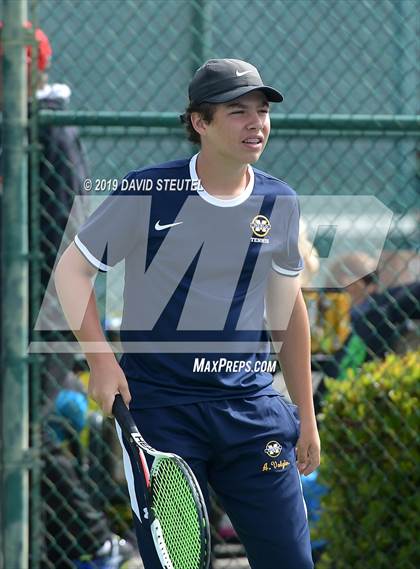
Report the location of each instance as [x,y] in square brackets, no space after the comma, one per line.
[201,265]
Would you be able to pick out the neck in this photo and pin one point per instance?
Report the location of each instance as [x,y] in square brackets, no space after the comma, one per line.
[222,178]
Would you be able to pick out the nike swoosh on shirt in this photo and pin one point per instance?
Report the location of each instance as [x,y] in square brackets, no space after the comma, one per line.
[160,227]
[240,73]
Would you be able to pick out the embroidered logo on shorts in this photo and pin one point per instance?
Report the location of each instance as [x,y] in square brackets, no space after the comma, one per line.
[273,449]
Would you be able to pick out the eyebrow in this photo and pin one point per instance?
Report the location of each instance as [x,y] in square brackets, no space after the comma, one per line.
[244,106]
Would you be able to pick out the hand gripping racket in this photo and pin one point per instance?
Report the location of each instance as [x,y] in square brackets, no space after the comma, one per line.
[177,512]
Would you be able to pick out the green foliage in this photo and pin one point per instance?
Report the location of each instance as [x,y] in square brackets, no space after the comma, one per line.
[370,464]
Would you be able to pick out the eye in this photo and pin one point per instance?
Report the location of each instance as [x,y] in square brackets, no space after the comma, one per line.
[236,113]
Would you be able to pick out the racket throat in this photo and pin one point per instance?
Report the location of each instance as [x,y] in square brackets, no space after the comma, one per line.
[145,468]
[160,545]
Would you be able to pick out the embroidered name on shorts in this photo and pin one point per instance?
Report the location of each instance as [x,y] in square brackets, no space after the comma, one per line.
[275,465]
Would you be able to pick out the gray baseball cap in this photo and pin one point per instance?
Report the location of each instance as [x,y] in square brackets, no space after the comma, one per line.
[222,80]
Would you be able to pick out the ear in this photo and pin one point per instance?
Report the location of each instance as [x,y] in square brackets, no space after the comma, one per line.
[199,124]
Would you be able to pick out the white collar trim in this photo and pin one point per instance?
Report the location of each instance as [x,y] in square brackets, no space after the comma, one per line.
[231,202]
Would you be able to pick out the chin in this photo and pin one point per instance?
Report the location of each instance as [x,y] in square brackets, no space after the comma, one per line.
[254,156]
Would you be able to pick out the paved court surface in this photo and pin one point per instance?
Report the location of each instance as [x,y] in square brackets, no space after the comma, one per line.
[237,563]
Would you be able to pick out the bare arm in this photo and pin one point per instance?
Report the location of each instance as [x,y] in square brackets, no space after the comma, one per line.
[74,283]
[289,325]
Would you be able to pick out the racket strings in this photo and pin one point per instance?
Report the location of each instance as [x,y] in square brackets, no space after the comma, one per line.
[175,507]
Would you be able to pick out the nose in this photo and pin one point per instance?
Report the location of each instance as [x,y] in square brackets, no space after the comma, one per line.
[256,121]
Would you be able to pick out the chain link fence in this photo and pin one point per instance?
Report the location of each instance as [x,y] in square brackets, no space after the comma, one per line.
[347,127]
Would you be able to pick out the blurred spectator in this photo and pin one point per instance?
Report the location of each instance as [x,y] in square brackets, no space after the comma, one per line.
[351,266]
[62,166]
[62,169]
[77,533]
[399,267]
[43,59]
[379,318]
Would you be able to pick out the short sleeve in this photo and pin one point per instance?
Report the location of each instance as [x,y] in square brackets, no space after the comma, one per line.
[113,229]
[287,259]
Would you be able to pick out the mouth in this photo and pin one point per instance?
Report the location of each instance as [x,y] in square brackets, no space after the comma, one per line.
[253,142]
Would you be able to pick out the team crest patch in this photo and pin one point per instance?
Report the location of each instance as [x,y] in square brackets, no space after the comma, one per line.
[260,226]
[273,449]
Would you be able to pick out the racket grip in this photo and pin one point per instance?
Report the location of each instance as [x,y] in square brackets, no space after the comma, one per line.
[123,416]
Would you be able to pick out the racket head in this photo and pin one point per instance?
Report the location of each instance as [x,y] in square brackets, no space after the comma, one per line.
[177,511]
[180,522]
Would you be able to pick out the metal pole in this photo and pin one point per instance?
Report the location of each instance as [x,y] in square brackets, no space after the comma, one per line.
[404,97]
[35,509]
[313,124]
[201,32]
[14,222]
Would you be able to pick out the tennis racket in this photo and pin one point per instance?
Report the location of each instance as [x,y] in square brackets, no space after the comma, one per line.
[177,512]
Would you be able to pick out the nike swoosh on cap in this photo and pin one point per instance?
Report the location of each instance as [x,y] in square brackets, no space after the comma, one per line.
[240,73]
[160,227]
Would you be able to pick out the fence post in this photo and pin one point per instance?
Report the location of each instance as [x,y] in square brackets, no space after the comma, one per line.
[201,32]
[14,298]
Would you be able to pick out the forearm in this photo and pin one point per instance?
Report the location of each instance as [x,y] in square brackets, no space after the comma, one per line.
[91,337]
[74,284]
[288,321]
[77,297]
[295,360]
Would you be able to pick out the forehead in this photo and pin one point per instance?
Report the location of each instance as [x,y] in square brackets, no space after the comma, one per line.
[253,98]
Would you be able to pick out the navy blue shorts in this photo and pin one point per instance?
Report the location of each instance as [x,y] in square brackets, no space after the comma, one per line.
[245,450]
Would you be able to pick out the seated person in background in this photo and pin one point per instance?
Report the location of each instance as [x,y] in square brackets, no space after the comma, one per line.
[77,534]
[379,318]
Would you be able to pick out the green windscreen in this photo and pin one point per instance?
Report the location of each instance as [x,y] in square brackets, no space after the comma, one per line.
[174,505]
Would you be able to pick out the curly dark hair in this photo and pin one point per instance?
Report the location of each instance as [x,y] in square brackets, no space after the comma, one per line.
[206,110]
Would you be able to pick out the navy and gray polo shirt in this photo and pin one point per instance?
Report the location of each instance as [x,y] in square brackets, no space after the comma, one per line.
[196,270]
